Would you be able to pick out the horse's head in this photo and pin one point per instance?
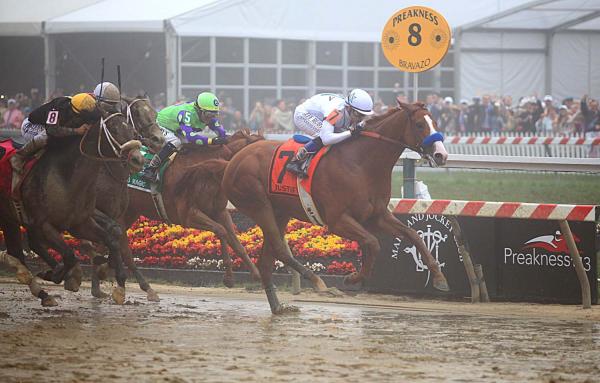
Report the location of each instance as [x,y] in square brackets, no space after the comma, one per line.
[421,134]
[113,139]
[142,118]
[241,139]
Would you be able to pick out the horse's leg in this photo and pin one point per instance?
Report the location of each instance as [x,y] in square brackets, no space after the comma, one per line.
[105,230]
[48,234]
[348,227]
[12,240]
[37,245]
[151,295]
[96,261]
[24,277]
[198,220]
[390,225]
[265,265]
[274,228]
[224,218]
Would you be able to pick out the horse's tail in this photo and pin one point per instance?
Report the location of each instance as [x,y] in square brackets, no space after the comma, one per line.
[204,179]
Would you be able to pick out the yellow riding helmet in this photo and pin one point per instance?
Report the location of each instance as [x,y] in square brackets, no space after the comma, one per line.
[83,101]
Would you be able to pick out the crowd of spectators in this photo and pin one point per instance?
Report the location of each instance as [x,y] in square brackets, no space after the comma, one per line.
[488,114]
[492,114]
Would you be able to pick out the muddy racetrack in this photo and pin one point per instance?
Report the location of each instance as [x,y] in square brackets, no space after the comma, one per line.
[219,335]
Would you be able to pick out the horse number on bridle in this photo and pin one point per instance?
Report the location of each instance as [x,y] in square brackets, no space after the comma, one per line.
[52,117]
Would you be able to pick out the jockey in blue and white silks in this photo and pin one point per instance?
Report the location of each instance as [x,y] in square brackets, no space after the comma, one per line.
[328,119]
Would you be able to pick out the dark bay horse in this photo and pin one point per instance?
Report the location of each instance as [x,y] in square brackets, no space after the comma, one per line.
[59,195]
[112,194]
[351,189]
[193,198]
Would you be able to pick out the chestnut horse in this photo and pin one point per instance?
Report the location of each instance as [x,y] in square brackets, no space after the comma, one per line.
[351,190]
[193,198]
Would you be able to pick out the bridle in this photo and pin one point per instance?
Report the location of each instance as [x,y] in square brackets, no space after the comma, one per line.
[130,119]
[118,150]
[418,149]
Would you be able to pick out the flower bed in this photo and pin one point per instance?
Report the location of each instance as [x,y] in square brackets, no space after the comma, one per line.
[155,244]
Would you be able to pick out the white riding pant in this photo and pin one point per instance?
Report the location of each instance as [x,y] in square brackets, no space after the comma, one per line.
[316,127]
[171,137]
[30,130]
[307,123]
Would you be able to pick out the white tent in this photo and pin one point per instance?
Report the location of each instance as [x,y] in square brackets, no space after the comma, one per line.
[26,17]
[122,16]
[543,47]
[317,20]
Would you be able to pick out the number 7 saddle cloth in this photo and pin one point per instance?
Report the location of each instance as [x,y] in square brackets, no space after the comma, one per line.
[284,182]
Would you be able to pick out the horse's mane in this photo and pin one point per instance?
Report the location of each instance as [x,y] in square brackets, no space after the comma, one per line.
[410,108]
[375,121]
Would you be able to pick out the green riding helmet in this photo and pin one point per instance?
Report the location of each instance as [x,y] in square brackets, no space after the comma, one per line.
[208,102]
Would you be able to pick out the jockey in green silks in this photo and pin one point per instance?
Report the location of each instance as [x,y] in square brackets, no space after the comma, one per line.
[184,123]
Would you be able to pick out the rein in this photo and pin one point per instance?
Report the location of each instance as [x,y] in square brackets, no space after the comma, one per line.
[117,148]
[392,141]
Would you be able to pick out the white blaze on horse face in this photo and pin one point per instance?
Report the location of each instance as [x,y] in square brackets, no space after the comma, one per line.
[430,123]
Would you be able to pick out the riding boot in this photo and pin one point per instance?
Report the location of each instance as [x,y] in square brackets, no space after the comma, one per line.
[21,156]
[150,171]
[299,164]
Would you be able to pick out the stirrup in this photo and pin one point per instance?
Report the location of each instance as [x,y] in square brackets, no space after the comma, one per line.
[297,169]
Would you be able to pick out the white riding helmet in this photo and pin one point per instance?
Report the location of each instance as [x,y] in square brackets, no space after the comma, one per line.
[110,92]
[360,101]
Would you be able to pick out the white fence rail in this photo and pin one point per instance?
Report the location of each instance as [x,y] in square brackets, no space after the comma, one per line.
[513,145]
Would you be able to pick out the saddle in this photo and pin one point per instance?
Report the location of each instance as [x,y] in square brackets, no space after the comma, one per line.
[155,189]
[283,182]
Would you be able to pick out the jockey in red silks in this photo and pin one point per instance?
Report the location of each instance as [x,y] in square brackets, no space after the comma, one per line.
[328,119]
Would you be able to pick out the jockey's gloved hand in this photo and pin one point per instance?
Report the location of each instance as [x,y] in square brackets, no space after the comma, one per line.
[218,140]
[357,129]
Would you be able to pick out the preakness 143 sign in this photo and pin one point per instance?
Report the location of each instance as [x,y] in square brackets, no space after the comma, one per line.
[415,39]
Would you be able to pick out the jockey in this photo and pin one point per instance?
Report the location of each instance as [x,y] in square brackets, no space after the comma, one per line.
[184,123]
[328,119]
[108,96]
[63,116]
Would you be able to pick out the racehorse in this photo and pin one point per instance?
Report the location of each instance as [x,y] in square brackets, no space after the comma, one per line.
[59,194]
[113,177]
[193,198]
[351,190]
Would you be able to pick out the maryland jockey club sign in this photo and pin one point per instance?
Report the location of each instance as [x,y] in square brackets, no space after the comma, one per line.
[523,260]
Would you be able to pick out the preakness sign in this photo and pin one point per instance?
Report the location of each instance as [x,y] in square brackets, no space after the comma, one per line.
[523,260]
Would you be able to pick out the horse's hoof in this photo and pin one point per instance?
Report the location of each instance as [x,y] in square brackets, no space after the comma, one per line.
[45,275]
[152,296]
[72,285]
[284,308]
[228,281]
[118,295]
[352,279]
[441,283]
[73,278]
[49,302]
[99,294]
[332,292]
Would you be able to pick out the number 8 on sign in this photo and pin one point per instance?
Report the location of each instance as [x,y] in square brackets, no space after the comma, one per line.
[415,39]
[52,117]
